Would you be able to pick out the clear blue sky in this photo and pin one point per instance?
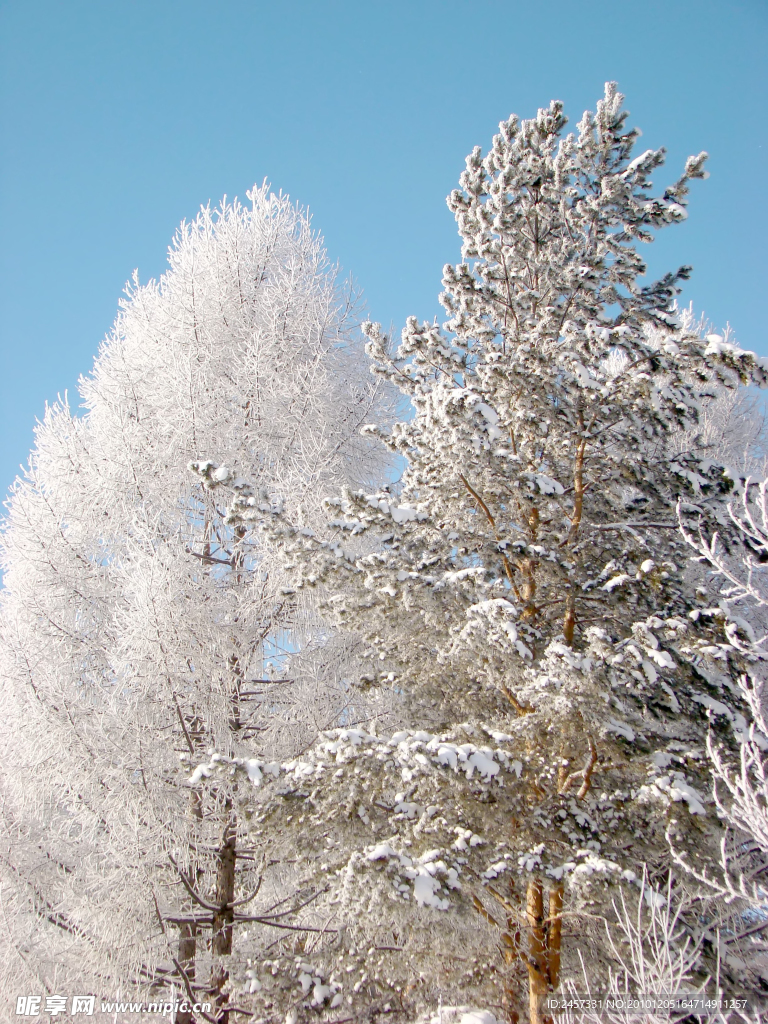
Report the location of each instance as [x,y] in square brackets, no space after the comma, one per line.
[118,119]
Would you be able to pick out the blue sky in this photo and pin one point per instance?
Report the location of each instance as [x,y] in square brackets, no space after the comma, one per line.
[118,119]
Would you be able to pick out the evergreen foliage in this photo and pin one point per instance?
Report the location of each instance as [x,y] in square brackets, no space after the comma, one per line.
[525,590]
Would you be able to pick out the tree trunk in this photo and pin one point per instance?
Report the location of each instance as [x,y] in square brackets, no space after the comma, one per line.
[544,937]
[187,953]
[221,938]
[537,950]
[554,934]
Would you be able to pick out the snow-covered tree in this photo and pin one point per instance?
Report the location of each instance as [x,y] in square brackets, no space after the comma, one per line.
[733,425]
[523,593]
[653,956]
[139,630]
[737,575]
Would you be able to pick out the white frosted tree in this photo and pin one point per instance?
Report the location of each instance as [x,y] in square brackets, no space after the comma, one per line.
[523,594]
[140,630]
[736,571]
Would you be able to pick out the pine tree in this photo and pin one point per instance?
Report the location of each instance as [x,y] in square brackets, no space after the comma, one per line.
[140,630]
[523,593]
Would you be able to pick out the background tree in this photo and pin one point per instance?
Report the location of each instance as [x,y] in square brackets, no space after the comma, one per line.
[736,577]
[139,630]
[524,590]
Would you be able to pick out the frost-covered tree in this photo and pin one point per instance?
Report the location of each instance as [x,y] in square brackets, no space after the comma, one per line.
[522,593]
[140,631]
[737,575]
[733,425]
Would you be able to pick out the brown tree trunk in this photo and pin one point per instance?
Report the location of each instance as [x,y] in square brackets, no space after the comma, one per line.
[223,918]
[554,934]
[187,953]
[537,950]
[544,938]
